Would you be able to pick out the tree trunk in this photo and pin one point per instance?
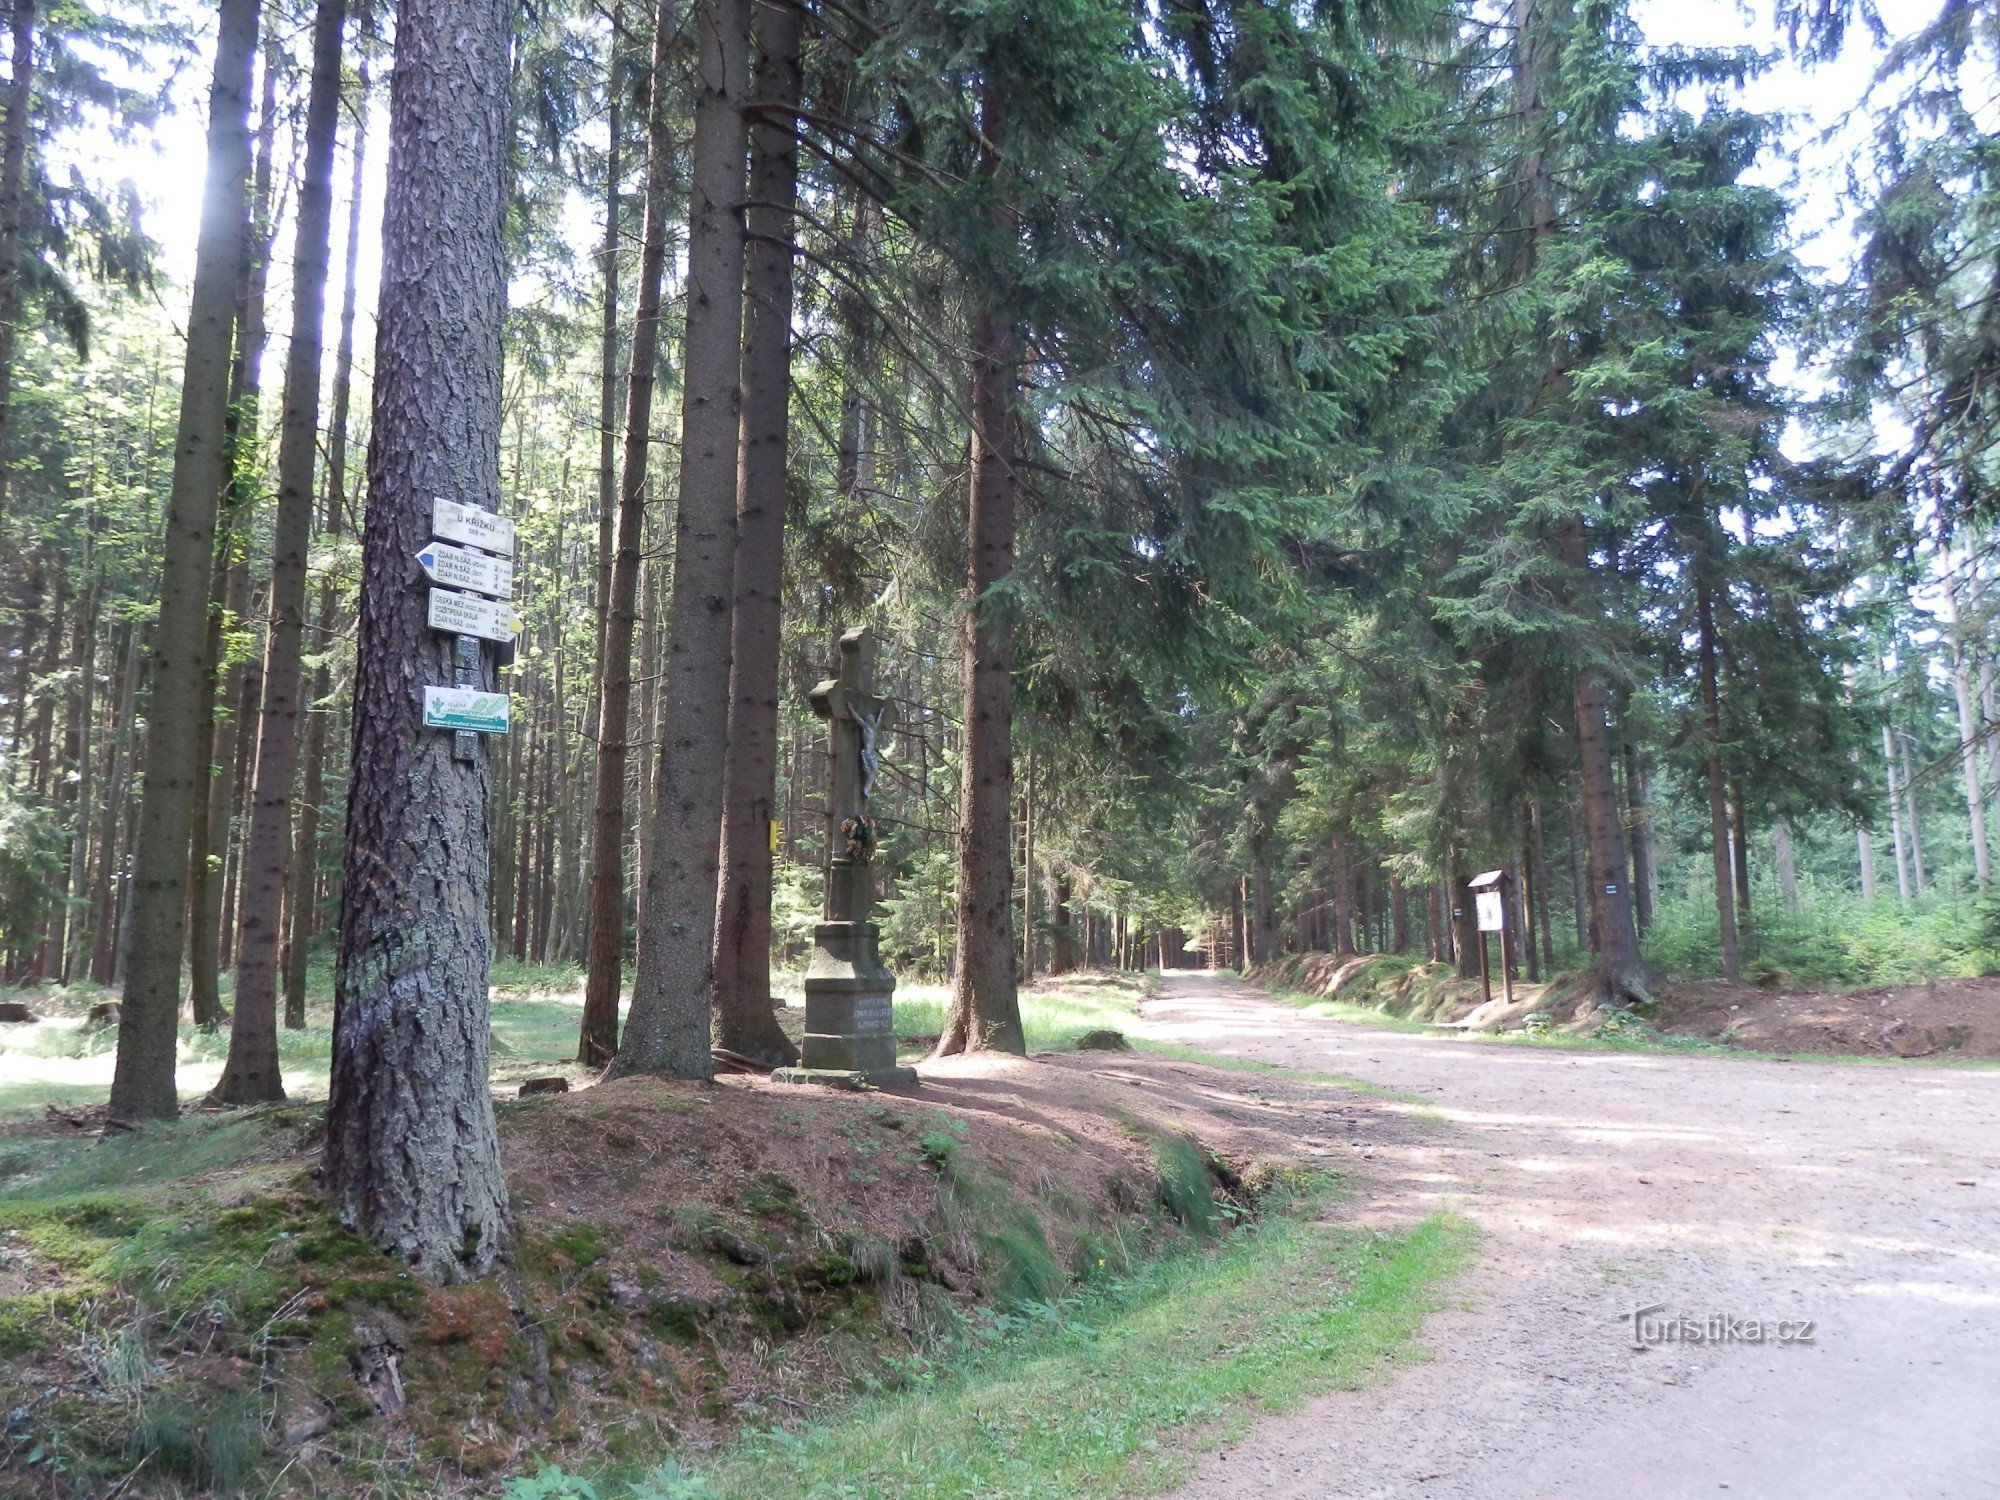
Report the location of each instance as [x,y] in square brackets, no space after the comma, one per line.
[1621,974]
[1918,879]
[1542,883]
[111,871]
[1787,861]
[1028,869]
[251,1074]
[1639,798]
[743,1019]
[1579,883]
[413,1159]
[226,680]
[1263,907]
[1531,885]
[1968,751]
[1465,934]
[1062,951]
[1896,818]
[607,340]
[1343,896]
[668,1030]
[14,201]
[1739,848]
[1718,803]
[303,879]
[143,1081]
[985,1006]
[597,1042]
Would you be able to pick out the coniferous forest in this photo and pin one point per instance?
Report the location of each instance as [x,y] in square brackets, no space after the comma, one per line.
[1287,461]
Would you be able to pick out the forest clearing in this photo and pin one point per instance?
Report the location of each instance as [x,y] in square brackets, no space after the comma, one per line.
[1039,747]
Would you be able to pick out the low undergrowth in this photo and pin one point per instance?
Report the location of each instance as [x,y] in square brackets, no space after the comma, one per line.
[1401,993]
[1113,1389]
[179,1313]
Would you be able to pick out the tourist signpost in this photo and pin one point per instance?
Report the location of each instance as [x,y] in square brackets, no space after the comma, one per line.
[469,563]
[1489,899]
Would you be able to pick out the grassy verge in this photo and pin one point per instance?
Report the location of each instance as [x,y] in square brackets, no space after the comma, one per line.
[1114,1392]
[536,1013]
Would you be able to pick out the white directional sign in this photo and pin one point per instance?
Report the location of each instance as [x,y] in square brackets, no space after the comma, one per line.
[471,525]
[465,569]
[462,614]
[465,708]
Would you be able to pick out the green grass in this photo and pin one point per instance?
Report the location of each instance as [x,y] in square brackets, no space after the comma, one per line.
[1054,1013]
[1112,1396]
[56,1061]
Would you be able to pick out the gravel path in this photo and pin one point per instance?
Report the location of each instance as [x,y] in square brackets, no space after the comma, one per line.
[1865,1198]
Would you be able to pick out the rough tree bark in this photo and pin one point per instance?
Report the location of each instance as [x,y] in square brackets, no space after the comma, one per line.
[985,1006]
[1620,971]
[597,1040]
[143,1079]
[413,1159]
[251,1075]
[743,1020]
[668,1028]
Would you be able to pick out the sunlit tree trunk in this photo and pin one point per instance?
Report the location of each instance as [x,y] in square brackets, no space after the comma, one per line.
[413,1159]
[251,1073]
[985,1006]
[743,1020]
[302,880]
[143,1080]
[597,1042]
[668,1029]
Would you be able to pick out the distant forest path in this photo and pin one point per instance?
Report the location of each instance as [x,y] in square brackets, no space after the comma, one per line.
[1866,1198]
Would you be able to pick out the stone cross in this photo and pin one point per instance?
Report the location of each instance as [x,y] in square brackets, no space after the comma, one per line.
[850,1038]
[857,721]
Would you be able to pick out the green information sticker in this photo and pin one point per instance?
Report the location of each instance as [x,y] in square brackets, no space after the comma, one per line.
[465,708]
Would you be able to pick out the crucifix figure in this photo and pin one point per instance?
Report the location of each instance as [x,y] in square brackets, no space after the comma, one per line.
[850,1033]
[856,720]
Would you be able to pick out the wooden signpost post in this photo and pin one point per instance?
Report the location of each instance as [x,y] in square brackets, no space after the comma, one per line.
[1489,896]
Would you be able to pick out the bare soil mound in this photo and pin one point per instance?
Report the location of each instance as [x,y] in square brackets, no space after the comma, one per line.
[1939,1018]
[1942,1018]
[690,1257]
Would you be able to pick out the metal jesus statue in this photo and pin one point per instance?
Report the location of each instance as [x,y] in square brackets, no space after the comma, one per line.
[850,1039]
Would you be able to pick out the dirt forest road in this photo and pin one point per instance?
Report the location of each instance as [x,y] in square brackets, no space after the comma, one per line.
[1865,1198]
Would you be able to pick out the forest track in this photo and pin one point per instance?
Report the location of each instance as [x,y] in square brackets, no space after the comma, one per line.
[1865,1198]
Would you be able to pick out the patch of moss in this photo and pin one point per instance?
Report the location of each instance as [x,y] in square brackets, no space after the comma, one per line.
[772,1196]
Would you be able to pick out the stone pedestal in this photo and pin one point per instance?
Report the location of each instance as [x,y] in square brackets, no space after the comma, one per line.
[850,1037]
